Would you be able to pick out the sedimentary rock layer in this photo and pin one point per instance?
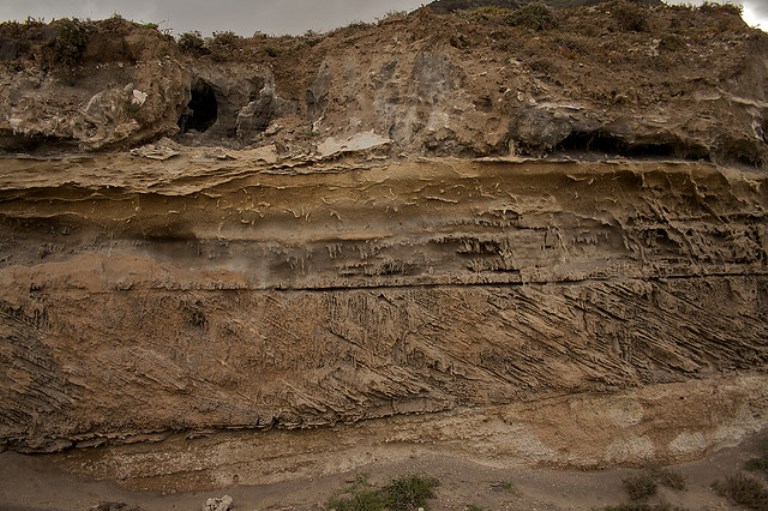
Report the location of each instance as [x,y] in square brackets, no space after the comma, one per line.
[157,297]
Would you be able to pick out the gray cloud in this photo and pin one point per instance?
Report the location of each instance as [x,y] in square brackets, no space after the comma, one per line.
[755,11]
[248,16]
[759,6]
[241,16]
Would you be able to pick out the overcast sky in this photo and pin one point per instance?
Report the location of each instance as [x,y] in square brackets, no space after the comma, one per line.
[248,16]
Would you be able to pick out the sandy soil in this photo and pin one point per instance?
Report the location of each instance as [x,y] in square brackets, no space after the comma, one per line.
[32,483]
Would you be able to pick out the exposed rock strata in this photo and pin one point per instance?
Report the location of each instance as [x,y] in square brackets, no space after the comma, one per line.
[658,423]
[283,253]
[292,298]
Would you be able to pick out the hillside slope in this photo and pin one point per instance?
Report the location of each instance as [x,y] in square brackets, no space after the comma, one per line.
[621,78]
[530,236]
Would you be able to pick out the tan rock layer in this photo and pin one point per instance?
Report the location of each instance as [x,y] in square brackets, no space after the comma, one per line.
[655,424]
[250,296]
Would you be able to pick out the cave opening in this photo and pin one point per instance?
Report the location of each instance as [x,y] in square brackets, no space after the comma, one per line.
[606,143]
[599,142]
[203,109]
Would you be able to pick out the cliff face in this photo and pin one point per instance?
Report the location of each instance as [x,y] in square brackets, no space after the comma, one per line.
[87,86]
[320,274]
[258,296]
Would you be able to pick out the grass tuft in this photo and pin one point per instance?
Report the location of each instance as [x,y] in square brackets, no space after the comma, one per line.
[363,500]
[505,486]
[716,8]
[744,490]
[630,17]
[643,486]
[669,478]
[536,16]
[409,492]
[757,465]
[406,493]
[640,487]
[191,42]
[72,36]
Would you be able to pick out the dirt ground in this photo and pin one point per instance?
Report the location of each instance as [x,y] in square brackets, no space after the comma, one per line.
[31,483]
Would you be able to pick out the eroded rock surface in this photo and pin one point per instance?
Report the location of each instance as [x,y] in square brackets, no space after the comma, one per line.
[311,256]
[685,84]
[306,297]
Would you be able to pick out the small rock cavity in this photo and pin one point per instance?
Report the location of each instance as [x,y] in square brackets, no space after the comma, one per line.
[202,111]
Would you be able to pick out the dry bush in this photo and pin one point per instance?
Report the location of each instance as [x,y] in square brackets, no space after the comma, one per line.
[406,493]
[669,478]
[640,487]
[745,491]
[718,8]
[630,17]
[72,36]
[535,16]
[192,42]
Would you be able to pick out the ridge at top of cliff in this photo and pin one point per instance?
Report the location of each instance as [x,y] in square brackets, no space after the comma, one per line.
[447,6]
[629,79]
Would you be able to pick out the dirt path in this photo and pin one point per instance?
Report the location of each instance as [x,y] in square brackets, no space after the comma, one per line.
[32,483]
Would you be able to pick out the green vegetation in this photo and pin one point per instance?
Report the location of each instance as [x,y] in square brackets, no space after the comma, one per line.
[406,493]
[221,45]
[60,45]
[726,8]
[535,16]
[505,486]
[410,492]
[640,487]
[364,500]
[643,486]
[351,29]
[191,42]
[226,40]
[32,22]
[490,13]
[446,6]
[395,14]
[112,506]
[72,36]
[759,464]
[357,25]
[744,490]
[630,17]
[669,478]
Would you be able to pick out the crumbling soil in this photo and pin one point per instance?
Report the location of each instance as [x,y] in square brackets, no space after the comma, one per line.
[618,78]
[33,483]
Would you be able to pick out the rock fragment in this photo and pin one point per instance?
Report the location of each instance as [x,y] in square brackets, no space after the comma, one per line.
[222,504]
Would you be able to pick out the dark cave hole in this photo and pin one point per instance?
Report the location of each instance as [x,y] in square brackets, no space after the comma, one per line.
[597,142]
[202,111]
